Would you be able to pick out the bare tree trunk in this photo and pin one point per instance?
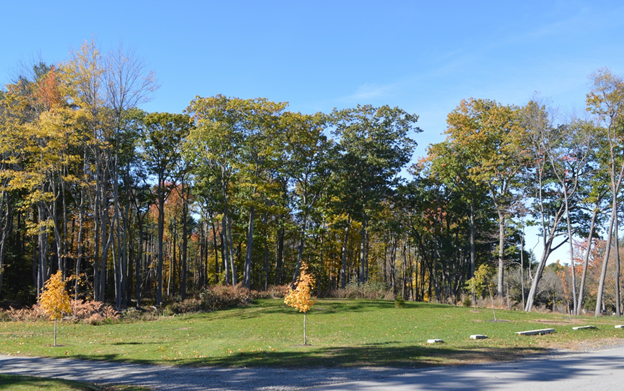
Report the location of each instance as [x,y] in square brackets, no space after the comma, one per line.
[225,249]
[161,233]
[501,254]
[5,228]
[266,259]
[247,277]
[229,235]
[280,255]
[571,242]
[343,276]
[605,260]
[184,248]
[538,275]
[42,264]
[617,269]
[216,252]
[80,248]
[300,250]
[579,304]
[472,251]
[363,251]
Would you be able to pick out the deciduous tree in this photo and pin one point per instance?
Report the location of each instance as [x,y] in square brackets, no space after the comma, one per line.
[54,300]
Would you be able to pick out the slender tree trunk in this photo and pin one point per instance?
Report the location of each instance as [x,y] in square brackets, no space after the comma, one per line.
[229,234]
[305,338]
[184,248]
[42,268]
[161,234]
[172,262]
[522,265]
[216,253]
[5,228]
[266,259]
[137,264]
[472,252]
[225,249]
[363,252]
[343,276]
[247,278]
[280,255]
[579,304]
[617,269]
[605,260]
[538,274]
[571,242]
[501,253]
[300,250]
[97,226]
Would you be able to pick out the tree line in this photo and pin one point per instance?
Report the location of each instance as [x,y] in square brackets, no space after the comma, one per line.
[154,207]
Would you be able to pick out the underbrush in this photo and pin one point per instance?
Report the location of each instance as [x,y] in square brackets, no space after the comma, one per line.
[210,299]
[89,312]
[220,297]
[371,290]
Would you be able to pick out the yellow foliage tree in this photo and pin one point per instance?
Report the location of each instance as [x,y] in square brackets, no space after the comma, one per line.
[301,297]
[54,299]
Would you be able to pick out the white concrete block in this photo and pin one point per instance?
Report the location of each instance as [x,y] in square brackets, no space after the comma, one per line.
[536,332]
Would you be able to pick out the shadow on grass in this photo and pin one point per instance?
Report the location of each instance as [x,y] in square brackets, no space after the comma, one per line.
[370,355]
[324,306]
[9,382]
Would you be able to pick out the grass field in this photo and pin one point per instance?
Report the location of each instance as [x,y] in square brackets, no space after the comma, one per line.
[340,333]
[30,383]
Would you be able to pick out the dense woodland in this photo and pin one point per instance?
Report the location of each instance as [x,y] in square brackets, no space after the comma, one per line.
[152,207]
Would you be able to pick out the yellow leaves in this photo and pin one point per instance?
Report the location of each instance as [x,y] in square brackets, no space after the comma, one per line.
[301,297]
[477,283]
[55,300]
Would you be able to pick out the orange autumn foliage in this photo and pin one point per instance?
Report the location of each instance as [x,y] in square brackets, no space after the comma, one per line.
[55,300]
[301,297]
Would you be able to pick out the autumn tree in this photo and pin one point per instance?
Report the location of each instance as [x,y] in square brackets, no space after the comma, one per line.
[606,102]
[301,297]
[54,300]
[307,152]
[485,132]
[163,135]
[236,140]
[374,144]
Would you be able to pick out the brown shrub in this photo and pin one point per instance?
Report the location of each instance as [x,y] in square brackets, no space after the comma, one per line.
[92,312]
[224,296]
[277,291]
[370,290]
[186,306]
[24,314]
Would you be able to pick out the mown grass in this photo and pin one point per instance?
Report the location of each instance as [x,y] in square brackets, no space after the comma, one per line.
[340,333]
[31,383]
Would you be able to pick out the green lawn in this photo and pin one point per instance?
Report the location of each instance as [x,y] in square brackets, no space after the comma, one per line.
[30,383]
[341,333]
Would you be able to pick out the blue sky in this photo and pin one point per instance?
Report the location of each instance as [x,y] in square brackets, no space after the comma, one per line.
[422,56]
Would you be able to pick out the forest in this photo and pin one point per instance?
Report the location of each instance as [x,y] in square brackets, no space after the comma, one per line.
[140,208]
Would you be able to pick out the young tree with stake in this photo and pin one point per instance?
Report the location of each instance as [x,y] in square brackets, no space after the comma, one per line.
[54,299]
[301,297]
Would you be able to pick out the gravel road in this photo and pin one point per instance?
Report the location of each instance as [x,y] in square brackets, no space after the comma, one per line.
[602,370]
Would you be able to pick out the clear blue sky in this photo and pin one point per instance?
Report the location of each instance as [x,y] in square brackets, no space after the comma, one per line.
[422,56]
